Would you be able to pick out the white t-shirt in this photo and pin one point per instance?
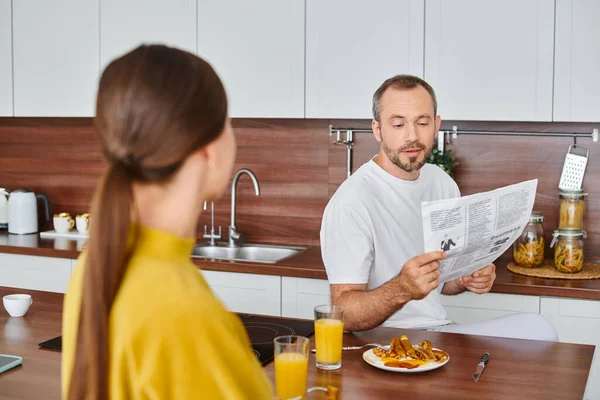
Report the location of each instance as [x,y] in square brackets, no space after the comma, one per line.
[372,227]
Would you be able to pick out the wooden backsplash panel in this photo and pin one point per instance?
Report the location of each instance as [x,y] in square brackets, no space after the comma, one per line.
[298,168]
[59,157]
[289,159]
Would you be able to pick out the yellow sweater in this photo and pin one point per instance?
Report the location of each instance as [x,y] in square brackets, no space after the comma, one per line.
[169,336]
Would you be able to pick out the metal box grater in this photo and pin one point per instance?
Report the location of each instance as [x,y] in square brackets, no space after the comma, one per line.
[574,169]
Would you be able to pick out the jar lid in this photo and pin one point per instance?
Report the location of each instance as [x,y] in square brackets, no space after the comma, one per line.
[536,216]
[572,193]
[571,233]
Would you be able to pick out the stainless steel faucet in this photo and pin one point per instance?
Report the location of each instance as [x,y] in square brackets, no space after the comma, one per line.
[212,236]
[236,237]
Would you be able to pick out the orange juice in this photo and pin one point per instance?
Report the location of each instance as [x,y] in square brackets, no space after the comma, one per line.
[290,375]
[328,340]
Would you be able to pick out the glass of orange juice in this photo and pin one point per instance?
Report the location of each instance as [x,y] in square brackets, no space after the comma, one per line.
[329,330]
[291,366]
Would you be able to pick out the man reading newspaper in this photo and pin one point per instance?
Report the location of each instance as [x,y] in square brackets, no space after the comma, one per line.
[372,233]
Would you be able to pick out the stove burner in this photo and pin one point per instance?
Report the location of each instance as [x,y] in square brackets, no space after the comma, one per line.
[262,330]
[261,333]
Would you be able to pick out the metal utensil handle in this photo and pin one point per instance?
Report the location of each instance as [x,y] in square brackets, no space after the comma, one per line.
[485,358]
[353,347]
[587,151]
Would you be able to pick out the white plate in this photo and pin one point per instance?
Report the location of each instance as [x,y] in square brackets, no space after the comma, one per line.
[375,361]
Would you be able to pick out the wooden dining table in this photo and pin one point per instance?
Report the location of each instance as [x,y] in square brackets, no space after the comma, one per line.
[518,369]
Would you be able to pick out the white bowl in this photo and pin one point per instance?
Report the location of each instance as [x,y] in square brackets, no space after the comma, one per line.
[17,305]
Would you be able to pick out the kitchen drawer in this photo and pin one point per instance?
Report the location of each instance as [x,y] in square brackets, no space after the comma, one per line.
[246,293]
[35,273]
[577,321]
[299,296]
[470,307]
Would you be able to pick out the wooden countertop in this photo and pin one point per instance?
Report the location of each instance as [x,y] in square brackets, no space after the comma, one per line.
[517,368]
[310,265]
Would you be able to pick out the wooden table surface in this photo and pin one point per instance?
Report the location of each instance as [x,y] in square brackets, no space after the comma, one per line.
[39,376]
[518,369]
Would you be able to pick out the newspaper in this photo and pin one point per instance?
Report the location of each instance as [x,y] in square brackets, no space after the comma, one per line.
[475,230]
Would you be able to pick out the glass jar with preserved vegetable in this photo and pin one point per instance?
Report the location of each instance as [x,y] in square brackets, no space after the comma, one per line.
[528,249]
[568,249]
[572,207]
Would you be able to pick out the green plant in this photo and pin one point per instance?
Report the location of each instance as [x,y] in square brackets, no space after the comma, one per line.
[444,159]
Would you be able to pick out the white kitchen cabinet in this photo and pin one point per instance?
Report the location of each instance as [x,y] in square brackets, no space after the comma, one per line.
[6,72]
[73,265]
[257,48]
[299,296]
[35,273]
[246,293]
[577,321]
[468,307]
[352,46]
[126,24]
[491,60]
[56,57]
[577,61]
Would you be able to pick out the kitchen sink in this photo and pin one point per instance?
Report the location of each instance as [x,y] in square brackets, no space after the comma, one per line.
[259,253]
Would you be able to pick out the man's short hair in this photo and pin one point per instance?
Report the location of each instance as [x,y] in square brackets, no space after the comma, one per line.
[401,82]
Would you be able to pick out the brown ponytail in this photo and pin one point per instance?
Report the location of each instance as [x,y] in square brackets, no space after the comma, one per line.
[107,258]
[155,106]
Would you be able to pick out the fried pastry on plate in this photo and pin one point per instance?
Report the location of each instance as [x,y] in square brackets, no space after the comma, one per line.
[403,354]
[408,348]
[380,352]
[397,348]
[440,356]
[425,350]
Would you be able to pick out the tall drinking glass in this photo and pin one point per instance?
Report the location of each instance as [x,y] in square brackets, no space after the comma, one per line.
[329,330]
[291,366]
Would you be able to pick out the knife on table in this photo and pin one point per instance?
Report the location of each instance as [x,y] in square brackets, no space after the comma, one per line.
[481,366]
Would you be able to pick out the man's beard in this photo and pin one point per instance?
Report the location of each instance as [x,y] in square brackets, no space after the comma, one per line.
[413,164]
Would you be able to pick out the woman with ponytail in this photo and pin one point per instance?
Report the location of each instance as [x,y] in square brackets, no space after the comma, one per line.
[139,321]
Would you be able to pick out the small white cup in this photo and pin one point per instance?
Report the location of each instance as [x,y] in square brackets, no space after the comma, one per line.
[63,222]
[82,222]
[17,305]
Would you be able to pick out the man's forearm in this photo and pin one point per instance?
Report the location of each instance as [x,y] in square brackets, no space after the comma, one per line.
[368,309]
[453,287]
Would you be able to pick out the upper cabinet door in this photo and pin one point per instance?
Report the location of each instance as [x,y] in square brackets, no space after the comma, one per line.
[257,48]
[126,24]
[352,46]
[491,60]
[577,61]
[56,57]
[6,74]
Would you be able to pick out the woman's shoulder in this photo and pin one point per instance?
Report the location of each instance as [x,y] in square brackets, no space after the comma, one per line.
[153,294]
